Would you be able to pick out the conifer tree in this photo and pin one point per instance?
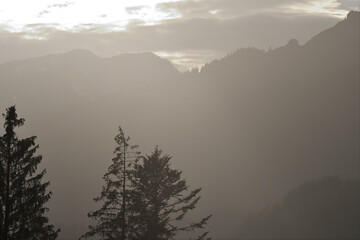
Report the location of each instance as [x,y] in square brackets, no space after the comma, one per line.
[22,193]
[160,200]
[112,218]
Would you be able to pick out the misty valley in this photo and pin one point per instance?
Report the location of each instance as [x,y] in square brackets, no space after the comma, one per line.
[258,144]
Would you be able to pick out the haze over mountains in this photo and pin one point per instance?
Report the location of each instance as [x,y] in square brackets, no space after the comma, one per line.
[318,209]
[247,128]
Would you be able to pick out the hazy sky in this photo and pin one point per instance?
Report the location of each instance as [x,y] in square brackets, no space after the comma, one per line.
[187,32]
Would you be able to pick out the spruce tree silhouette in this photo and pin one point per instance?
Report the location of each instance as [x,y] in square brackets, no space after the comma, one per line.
[22,193]
[112,218]
[161,199]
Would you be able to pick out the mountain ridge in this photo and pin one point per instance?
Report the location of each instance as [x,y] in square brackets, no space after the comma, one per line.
[258,123]
[353,18]
[346,30]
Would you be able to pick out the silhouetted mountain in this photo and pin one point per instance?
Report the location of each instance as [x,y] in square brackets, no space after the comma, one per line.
[319,52]
[81,74]
[296,106]
[324,209]
[258,123]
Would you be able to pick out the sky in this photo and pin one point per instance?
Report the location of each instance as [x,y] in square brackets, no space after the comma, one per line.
[187,32]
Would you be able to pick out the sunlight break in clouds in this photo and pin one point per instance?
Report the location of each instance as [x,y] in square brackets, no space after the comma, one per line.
[80,15]
[188,59]
[326,7]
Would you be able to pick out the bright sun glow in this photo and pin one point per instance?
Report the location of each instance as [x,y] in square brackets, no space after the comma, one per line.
[188,59]
[80,15]
[326,7]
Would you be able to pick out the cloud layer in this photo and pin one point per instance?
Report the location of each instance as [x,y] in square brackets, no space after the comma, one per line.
[188,32]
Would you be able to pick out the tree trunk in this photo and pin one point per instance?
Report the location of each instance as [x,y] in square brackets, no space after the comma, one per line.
[124,195]
[7,191]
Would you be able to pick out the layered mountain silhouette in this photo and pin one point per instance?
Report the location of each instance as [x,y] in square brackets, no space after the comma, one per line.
[247,128]
[80,72]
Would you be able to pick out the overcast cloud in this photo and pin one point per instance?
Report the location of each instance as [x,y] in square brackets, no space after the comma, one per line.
[189,33]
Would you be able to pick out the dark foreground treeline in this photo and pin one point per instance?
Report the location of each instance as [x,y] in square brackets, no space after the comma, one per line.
[23,194]
[257,122]
[143,197]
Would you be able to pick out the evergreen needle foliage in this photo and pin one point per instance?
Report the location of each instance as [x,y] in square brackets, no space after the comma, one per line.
[112,221]
[22,193]
[160,200]
[143,201]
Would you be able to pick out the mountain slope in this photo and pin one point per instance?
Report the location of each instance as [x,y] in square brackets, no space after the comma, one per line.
[83,75]
[246,128]
[327,208]
[300,104]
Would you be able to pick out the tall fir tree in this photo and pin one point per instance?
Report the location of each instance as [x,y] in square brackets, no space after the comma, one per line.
[112,222]
[22,193]
[160,200]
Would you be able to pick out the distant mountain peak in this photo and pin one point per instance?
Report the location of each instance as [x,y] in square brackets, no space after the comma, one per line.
[353,16]
[293,43]
[145,60]
[148,55]
[80,53]
[339,37]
